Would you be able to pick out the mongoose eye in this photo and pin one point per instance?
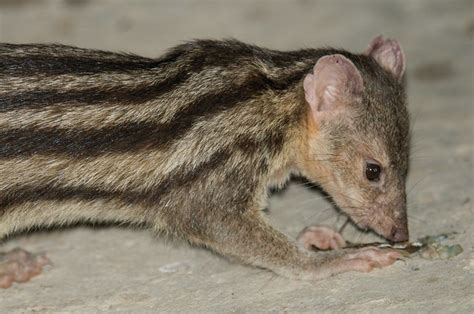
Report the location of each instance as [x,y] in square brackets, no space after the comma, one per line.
[372,171]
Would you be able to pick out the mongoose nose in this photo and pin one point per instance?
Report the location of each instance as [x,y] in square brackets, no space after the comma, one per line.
[398,234]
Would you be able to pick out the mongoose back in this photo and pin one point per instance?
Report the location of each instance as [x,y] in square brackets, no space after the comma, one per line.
[188,144]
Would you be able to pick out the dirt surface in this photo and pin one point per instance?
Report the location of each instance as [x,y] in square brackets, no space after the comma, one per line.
[123,270]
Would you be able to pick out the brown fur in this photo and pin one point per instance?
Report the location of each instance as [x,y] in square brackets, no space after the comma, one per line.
[186,144]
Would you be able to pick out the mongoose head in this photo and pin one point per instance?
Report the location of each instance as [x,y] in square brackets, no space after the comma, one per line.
[358,143]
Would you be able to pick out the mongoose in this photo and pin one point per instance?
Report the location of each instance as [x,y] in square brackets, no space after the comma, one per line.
[188,144]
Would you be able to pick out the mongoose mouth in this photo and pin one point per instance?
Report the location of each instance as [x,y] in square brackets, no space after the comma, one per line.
[393,233]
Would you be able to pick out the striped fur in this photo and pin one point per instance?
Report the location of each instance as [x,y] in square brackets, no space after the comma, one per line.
[186,143]
[79,124]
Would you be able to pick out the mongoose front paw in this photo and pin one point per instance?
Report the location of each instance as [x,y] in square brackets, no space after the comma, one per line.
[20,266]
[320,237]
[366,259]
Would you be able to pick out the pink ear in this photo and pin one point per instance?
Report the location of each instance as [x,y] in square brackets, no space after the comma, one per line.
[335,82]
[389,54]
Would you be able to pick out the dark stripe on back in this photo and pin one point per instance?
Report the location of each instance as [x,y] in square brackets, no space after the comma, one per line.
[90,96]
[58,65]
[183,60]
[151,197]
[128,136]
[146,92]
[37,99]
[60,59]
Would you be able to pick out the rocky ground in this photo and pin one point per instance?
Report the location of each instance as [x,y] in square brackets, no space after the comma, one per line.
[122,270]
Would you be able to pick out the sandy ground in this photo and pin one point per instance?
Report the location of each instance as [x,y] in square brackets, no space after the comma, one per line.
[122,270]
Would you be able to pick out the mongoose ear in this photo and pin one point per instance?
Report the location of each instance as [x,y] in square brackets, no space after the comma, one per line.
[389,54]
[334,83]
